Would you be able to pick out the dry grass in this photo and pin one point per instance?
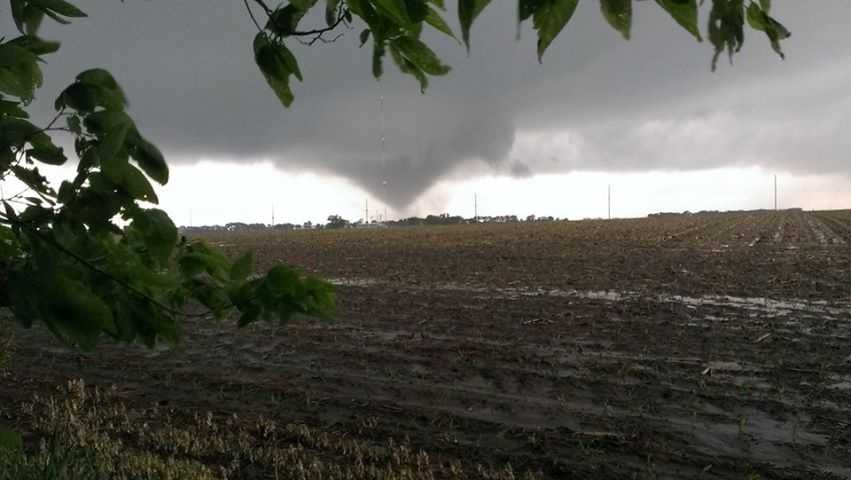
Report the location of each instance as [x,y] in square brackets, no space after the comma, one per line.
[87,433]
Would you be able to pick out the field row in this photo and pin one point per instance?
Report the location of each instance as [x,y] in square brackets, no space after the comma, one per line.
[779,255]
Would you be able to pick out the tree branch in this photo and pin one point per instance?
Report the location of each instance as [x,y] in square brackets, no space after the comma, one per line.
[94,268]
[320,31]
[265,7]
[253,18]
[316,33]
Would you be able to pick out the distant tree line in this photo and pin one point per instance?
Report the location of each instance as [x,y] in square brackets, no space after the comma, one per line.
[338,222]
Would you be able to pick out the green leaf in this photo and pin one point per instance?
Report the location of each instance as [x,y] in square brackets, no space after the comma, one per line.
[66,192]
[12,55]
[149,158]
[137,185]
[50,156]
[417,11]
[12,85]
[242,267]
[12,109]
[77,96]
[726,28]
[31,178]
[276,63]
[192,264]
[17,131]
[284,21]
[157,232]
[112,142]
[33,17]
[619,15]
[250,315]
[93,88]
[61,7]
[35,45]
[99,77]
[396,10]
[549,19]
[56,17]
[407,66]
[102,122]
[107,91]
[421,55]
[199,258]
[468,10]
[331,7]
[684,12]
[758,19]
[19,71]
[435,20]
[18,7]
[281,279]
[72,311]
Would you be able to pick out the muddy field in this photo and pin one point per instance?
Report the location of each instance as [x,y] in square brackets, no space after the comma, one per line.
[704,346]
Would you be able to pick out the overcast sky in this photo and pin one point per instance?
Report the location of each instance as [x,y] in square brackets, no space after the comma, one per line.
[646,116]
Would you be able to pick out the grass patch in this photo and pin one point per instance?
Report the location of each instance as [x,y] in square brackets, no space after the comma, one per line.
[87,433]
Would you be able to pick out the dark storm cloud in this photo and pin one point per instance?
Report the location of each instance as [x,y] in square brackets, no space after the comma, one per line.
[520,170]
[597,102]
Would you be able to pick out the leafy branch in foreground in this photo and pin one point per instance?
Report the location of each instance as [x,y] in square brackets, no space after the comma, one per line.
[94,257]
[396,26]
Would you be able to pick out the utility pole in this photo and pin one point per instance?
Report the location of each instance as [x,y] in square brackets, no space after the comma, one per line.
[775,193]
[610,201]
[475,208]
[366,212]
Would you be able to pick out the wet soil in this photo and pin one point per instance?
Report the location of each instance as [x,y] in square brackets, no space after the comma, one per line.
[657,348]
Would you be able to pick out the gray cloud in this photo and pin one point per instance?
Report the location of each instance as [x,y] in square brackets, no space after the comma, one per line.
[597,102]
[520,170]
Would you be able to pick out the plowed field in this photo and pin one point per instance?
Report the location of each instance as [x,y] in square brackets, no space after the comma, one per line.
[702,346]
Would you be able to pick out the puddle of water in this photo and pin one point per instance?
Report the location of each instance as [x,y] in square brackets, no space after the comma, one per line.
[756,304]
